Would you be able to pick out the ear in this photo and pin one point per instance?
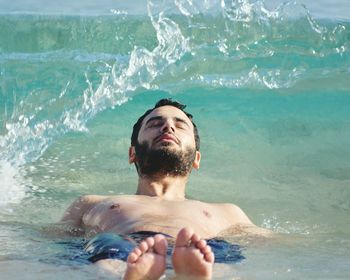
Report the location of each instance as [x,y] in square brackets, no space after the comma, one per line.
[197,160]
[132,155]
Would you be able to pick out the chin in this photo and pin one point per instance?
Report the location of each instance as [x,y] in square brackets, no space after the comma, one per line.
[165,145]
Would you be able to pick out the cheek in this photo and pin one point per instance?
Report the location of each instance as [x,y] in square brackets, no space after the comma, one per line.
[143,134]
[146,136]
[189,140]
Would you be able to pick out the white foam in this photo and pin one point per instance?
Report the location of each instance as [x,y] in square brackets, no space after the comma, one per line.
[12,189]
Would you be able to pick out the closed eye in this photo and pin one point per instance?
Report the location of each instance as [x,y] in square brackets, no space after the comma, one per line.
[155,124]
[158,121]
[180,123]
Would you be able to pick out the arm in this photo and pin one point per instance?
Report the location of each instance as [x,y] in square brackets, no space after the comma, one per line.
[73,216]
[241,224]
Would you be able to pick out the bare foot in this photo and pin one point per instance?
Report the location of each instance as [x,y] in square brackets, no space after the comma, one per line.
[147,261]
[192,257]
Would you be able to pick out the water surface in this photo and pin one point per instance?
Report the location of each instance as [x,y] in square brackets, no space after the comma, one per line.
[268,85]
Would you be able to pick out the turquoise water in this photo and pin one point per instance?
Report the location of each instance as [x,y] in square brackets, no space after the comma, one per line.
[268,86]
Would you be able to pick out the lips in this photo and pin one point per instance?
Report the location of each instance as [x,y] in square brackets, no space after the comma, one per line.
[166,138]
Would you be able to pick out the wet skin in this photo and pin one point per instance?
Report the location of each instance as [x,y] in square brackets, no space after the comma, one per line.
[132,213]
[159,204]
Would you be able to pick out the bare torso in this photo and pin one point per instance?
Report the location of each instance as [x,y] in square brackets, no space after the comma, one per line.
[133,213]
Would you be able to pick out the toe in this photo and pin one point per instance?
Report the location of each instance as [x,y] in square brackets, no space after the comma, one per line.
[201,244]
[143,246]
[150,242]
[209,257]
[137,251]
[132,257]
[160,245]
[183,237]
[195,238]
[206,250]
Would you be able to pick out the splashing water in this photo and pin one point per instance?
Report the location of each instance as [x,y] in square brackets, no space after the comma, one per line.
[27,138]
[12,190]
[269,89]
[217,44]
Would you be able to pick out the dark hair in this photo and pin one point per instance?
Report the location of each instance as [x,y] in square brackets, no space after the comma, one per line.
[160,103]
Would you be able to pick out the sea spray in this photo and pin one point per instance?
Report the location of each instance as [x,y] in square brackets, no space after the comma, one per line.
[269,89]
[27,138]
[215,44]
[12,190]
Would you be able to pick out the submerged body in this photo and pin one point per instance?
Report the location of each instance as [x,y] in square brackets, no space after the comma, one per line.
[164,148]
[127,214]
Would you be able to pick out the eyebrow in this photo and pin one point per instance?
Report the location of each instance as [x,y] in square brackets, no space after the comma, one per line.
[177,119]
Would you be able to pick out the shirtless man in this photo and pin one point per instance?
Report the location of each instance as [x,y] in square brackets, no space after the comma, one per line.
[164,148]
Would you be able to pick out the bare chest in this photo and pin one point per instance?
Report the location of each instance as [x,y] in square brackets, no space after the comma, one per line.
[129,215]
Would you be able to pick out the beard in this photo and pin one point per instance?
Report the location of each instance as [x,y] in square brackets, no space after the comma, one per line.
[163,161]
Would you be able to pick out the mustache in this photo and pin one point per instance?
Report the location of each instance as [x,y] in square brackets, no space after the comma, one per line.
[158,138]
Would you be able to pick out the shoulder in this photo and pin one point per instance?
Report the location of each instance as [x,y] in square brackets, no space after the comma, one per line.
[229,207]
[82,204]
[85,202]
[89,199]
[234,212]
[242,223]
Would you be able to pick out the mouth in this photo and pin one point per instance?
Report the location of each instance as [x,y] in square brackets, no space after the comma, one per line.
[166,138]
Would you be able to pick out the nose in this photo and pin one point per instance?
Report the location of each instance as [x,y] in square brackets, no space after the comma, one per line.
[168,126]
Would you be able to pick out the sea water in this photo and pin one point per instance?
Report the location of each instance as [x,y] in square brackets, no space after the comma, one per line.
[268,84]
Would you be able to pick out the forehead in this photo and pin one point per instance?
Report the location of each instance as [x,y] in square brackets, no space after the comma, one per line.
[168,112]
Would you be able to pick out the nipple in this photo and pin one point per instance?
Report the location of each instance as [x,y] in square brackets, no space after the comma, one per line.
[206,213]
[115,206]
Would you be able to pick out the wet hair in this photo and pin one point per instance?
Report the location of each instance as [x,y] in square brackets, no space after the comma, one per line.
[160,103]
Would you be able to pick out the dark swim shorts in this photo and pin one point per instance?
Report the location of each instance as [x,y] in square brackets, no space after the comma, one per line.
[113,246]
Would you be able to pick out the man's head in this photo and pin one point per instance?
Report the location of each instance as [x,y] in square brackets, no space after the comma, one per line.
[165,141]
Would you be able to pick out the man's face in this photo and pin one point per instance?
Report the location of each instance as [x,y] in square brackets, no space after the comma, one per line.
[167,126]
[166,143]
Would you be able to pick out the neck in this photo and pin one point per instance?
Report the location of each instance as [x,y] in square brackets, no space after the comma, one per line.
[169,188]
